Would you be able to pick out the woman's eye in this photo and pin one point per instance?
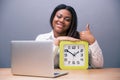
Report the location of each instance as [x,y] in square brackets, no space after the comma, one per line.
[67,19]
[58,16]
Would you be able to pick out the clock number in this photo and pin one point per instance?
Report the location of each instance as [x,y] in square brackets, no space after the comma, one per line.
[68,47]
[78,47]
[68,62]
[81,55]
[73,62]
[81,59]
[81,50]
[65,59]
[65,50]
[73,47]
[78,62]
[65,55]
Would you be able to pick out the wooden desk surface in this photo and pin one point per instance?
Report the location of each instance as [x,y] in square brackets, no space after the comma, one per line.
[91,74]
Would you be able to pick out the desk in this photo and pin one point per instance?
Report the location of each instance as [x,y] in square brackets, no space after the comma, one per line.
[90,74]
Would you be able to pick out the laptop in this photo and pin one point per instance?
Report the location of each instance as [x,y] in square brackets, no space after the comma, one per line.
[33,58]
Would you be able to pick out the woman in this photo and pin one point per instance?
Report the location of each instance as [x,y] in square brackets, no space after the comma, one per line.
[64,24]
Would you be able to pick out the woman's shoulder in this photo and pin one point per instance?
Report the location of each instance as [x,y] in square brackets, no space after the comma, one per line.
[44,36]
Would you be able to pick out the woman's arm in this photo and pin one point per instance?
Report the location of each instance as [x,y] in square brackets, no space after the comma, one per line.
[95,56]
[95,52]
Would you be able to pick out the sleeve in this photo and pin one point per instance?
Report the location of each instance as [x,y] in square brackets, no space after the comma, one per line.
[95,56]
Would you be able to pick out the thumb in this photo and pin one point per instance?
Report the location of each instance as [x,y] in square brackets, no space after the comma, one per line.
[87,27]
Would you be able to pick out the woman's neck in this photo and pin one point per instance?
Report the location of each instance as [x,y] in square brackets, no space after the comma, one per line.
[59,34]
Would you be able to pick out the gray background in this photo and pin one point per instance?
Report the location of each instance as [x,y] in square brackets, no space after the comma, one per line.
[25,19]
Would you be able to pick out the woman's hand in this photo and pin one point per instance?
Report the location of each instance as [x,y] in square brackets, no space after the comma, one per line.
[66,38]
[87,35]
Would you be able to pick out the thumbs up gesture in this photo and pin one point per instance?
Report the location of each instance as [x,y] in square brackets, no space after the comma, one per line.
[87,35]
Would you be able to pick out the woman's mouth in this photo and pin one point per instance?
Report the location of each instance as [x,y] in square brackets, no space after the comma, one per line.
[60,25]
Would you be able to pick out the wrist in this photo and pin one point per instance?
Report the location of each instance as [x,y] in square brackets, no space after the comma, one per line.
[91,40]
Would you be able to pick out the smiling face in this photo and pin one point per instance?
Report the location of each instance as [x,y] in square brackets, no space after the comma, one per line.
[61,22]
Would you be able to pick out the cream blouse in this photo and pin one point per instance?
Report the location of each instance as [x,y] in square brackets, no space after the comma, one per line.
[95,52]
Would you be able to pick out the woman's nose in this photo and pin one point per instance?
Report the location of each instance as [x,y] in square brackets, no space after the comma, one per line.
[62,19]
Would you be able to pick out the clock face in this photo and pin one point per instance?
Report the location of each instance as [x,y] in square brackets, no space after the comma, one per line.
[73,55]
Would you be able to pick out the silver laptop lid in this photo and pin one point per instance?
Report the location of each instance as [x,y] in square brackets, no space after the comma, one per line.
[34,58]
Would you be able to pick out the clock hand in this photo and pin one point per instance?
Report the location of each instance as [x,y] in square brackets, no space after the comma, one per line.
[70,52]
[76,53]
